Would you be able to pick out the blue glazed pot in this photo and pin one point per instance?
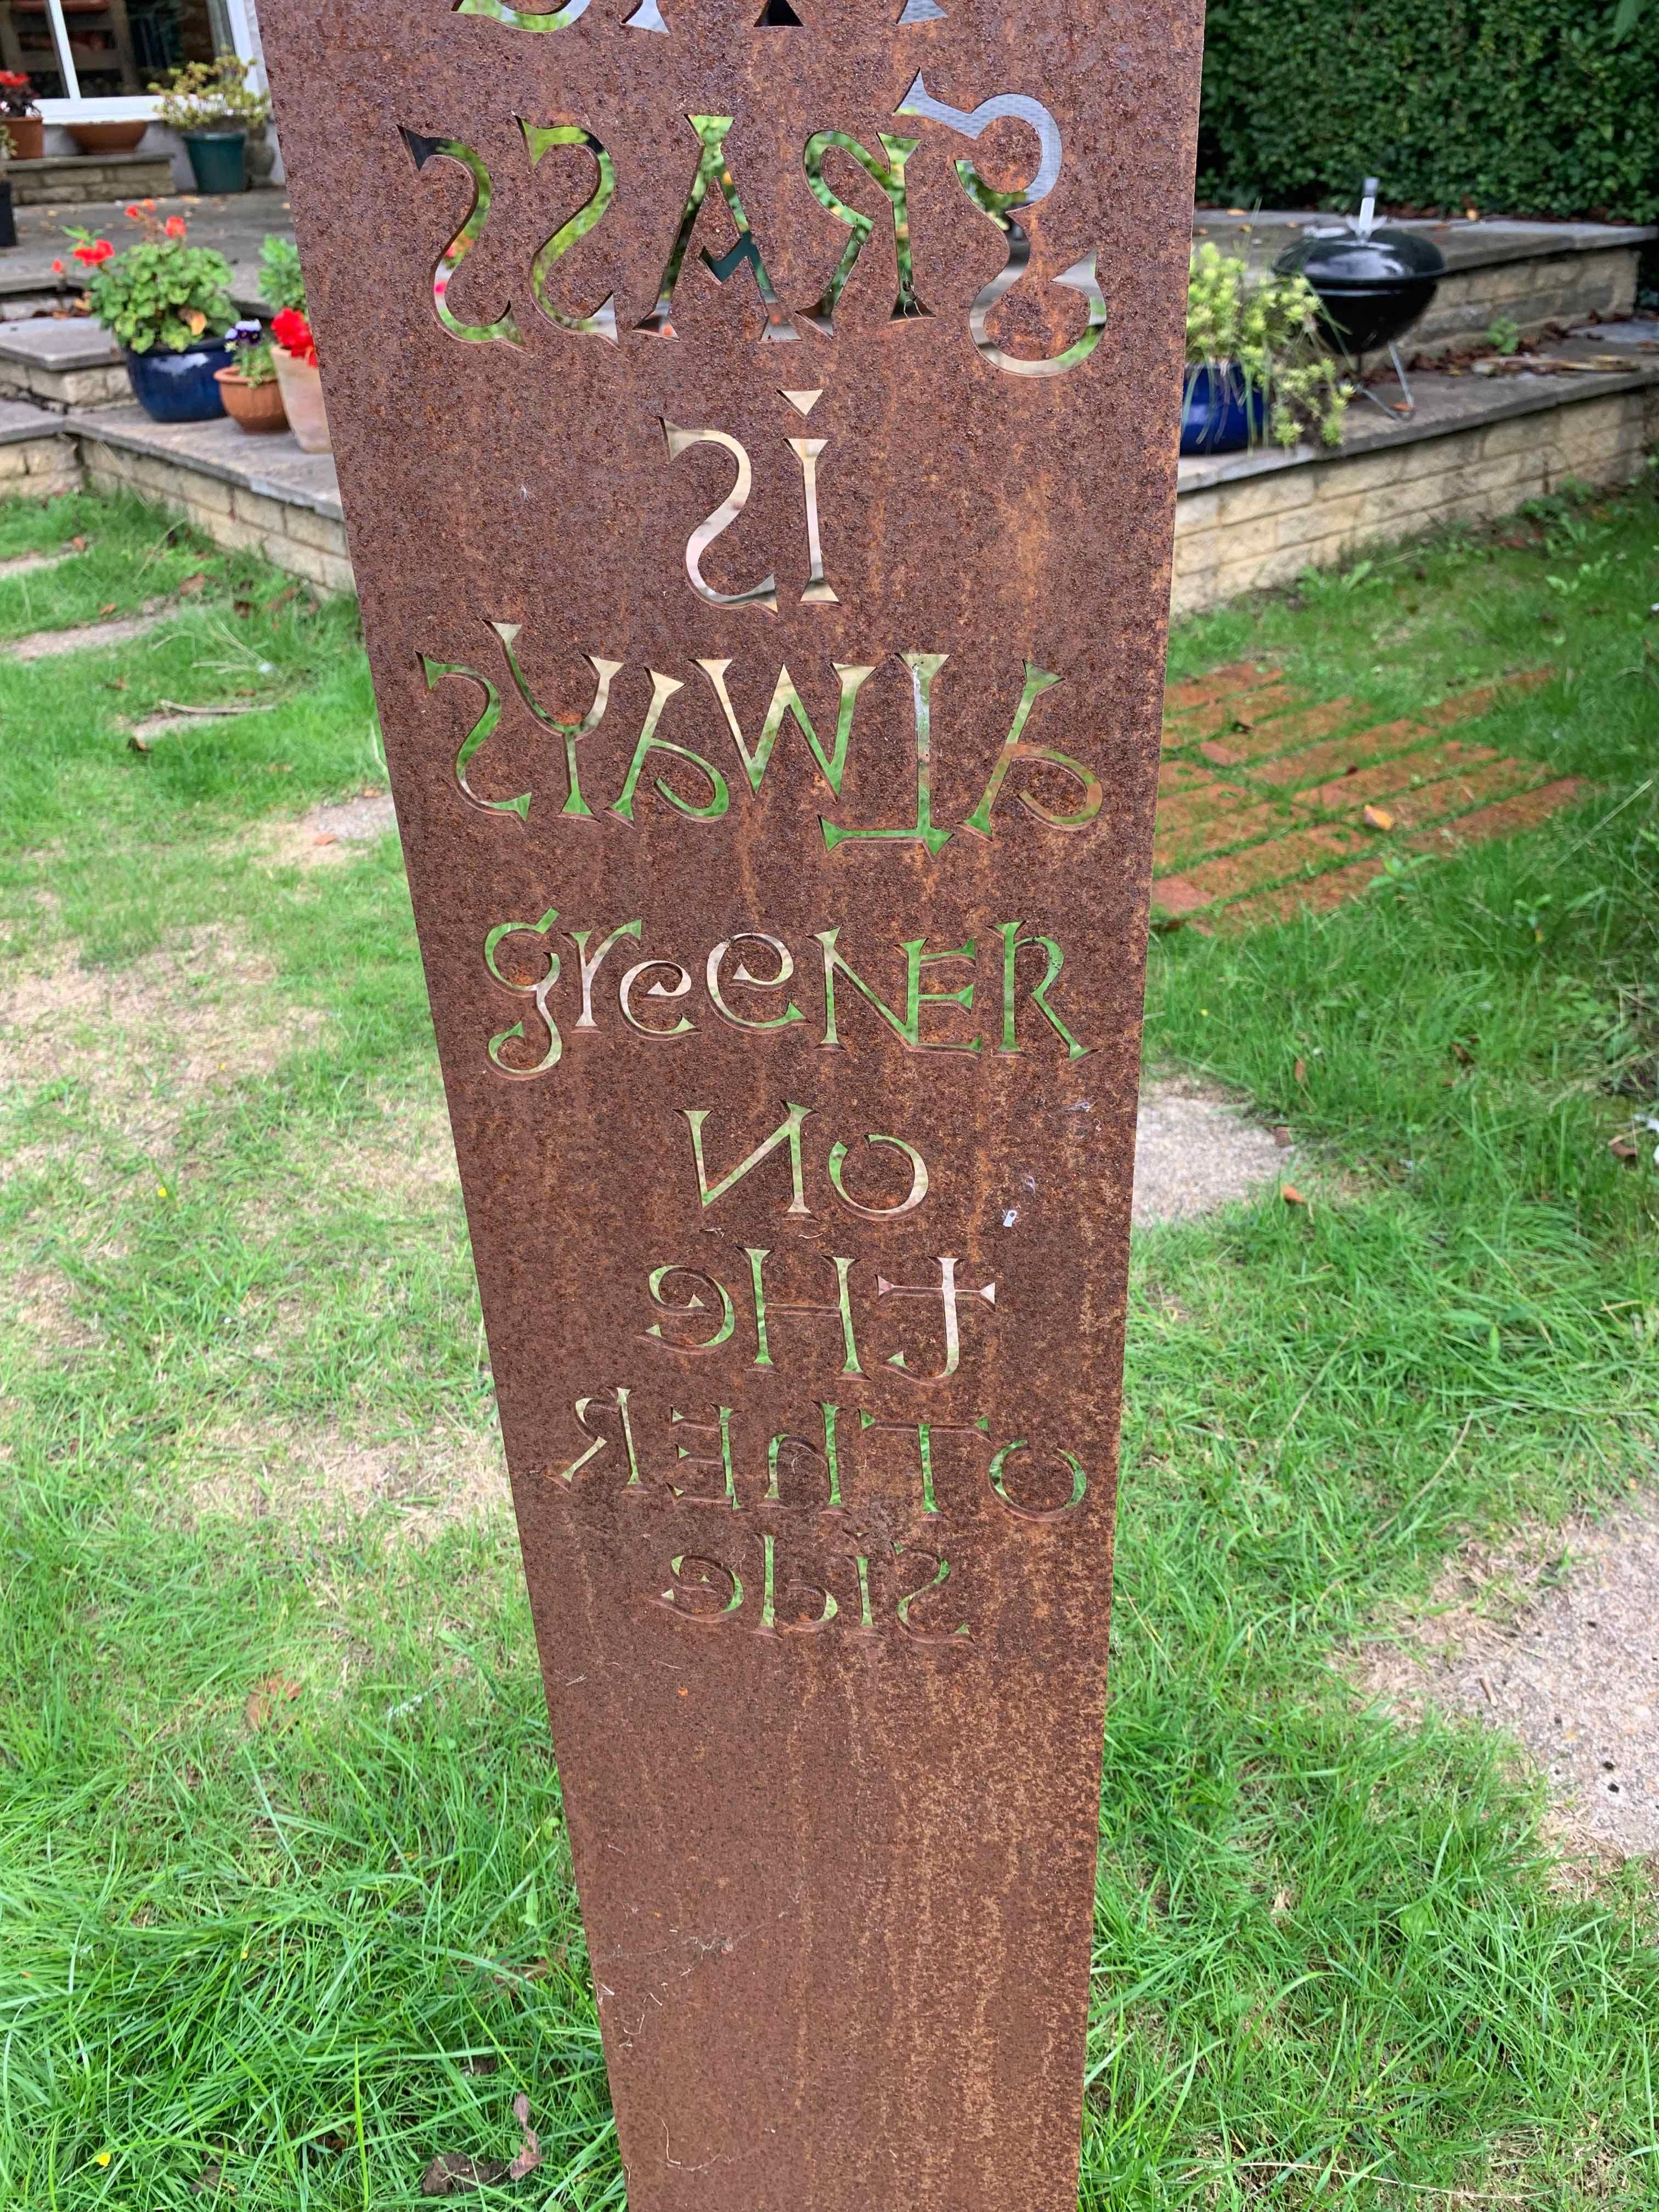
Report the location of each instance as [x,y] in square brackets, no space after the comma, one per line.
[179,387]
[1217,416]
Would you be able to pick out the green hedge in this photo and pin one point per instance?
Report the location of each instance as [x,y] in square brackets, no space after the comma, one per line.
[1513,106]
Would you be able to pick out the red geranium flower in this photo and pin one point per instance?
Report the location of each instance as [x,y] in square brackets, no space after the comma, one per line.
[176,226]
[94,250]
[293,333]
[131,211]
[57,267]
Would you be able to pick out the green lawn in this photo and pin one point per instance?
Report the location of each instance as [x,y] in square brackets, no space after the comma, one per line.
[284,1889]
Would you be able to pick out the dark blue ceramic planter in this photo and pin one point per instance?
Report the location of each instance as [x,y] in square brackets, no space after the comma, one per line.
[1217,414]
[179,387]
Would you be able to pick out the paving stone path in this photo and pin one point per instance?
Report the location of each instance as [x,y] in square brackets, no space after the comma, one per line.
[1263,797]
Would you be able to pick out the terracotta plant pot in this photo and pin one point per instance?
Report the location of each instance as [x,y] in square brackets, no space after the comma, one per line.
[302,397]
[28,137]
[107,137]
[251,407]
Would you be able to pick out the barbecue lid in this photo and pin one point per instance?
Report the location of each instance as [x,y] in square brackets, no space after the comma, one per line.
[1349,261]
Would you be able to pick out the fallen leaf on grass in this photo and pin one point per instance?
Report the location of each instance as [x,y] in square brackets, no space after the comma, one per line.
[529,2154]
[79,543]
[209,2179]
[1282,1138]
[1624,1148]
[453,2169]
[135,744]
[266,1697]
[1291,1194]
[193,585]
[327,837]
[110,608]
[1377,817]
[1300,1071]
[115,683]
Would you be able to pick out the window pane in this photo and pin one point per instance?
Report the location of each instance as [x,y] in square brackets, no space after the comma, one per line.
[120,47]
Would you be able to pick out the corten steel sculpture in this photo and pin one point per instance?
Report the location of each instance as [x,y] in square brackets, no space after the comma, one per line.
[757,444]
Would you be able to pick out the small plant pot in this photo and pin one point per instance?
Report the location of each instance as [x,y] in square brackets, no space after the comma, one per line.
[302,397]
[108,138]
[218,160]
[179,388]
[28,137]
[8,220]
[256,407]
[1219,414]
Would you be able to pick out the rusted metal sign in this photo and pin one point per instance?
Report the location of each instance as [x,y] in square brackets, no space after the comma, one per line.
[758,445]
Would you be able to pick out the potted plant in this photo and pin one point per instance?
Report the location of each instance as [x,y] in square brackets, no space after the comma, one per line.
[1257,362]
[212,107]
[282,285]
[167,305]
[252,397]
[21,117]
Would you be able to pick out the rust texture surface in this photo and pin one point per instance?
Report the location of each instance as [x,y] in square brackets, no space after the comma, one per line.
[759,458]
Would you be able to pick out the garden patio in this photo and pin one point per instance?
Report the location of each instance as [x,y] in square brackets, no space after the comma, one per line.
[282,1860]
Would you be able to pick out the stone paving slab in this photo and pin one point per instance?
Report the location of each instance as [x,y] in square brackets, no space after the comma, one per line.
[270,465]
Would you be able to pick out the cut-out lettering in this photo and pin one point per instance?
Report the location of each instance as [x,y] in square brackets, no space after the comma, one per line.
[1017,748]
[695,1303]
[841,1308]
[676,989]
[906,1026]
[788,1132]
[818,593]
[662,689]
[1018,106]
[941,1575]
[423,149]
[572,732]
[1012,945]
[525,19]
[602,322]
[483,728]
[769,1622]
[889,175]
[588,969]
[923,667]
[648,16]
[918,1189]
[921,11]
[828,1459]
[712,168]
[537,988]
[741,975]
[697,1580]
[998,1473]
[617,1403]
[722,1467]
[786,700]
[763,594]
[946,1291]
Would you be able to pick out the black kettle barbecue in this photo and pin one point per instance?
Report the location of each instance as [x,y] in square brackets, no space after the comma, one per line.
[1372,284]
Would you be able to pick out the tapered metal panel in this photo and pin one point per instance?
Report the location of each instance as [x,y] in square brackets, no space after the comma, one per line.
[757,446]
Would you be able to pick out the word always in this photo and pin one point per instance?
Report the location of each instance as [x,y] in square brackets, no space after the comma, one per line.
[653,752]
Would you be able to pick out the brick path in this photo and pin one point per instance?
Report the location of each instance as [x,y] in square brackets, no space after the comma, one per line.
[1263,797]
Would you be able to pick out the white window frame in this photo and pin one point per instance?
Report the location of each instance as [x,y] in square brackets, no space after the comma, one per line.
[128,106]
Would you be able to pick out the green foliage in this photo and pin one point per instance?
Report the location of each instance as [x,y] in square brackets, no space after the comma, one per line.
[1268,326]
[1504,335]
[212,95]
[1521,107]
[160,294]
[282,281]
